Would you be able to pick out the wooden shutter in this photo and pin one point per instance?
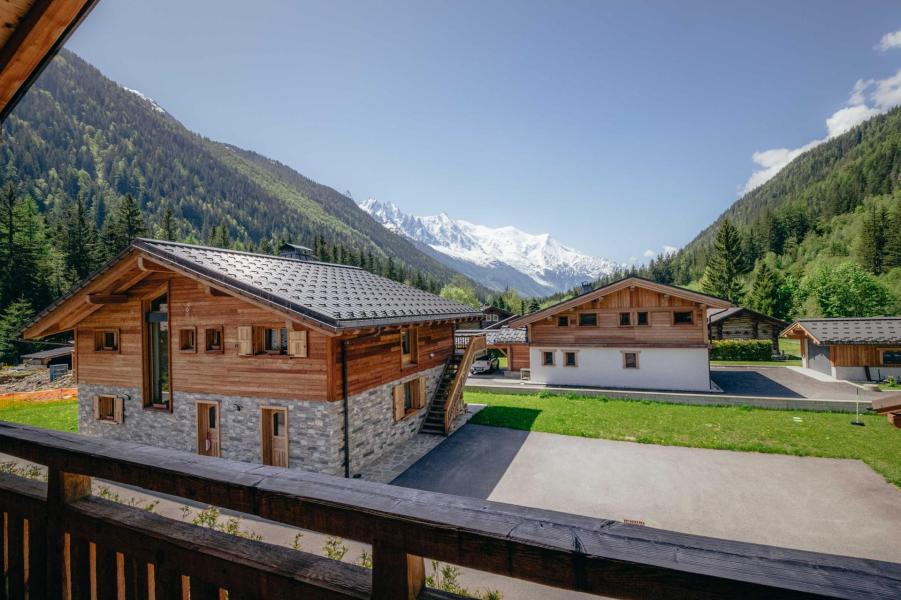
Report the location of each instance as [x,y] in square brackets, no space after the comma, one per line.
[96,401]
[297,343]
[118,409]
[245,340]
[423,397]
[398,402]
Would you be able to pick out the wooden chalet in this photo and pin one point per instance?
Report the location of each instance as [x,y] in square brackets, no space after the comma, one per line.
[633,333]
[851,349]
[61,542]
[739,323]
[267,359]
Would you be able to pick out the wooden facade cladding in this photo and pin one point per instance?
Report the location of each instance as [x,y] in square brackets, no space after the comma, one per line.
[374,358]
[661,330]
[859,355]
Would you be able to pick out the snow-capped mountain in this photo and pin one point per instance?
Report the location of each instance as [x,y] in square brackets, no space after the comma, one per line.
[153,103]
[497,257]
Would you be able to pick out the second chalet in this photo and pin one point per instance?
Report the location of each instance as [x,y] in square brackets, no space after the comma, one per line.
[272,359]
[633,333]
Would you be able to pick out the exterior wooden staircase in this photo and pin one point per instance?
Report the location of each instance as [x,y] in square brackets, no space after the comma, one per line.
[447,401]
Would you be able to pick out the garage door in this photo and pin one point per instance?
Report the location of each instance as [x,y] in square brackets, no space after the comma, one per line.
[818,358]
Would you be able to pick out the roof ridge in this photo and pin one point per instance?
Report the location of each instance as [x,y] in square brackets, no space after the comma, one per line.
[243,252]
[811,319]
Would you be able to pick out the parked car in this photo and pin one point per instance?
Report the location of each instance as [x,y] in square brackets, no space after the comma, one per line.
[486,364]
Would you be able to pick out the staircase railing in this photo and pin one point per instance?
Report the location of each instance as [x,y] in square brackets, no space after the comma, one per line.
[453,406]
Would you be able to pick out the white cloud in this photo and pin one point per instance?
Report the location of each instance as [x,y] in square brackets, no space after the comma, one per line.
[649,253]
[889,41]
[867,99]
[667,250]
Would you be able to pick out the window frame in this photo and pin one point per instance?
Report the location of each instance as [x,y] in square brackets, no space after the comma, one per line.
[206,339]
[594,315]
[628,318]
[416,389]
[647,318]
[100,341]
[562,320]
[626,359]
[575,357]
[545,354]
[181,340]
[691,315]
[111,401]
[411,357]
[883,351]
[261,335]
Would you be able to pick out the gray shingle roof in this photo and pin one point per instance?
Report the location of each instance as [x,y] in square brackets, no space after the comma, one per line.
[506,335]
[51,353]
[337,295]
[859,330]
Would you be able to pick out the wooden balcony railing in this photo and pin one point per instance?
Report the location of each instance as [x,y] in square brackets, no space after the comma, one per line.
[453,406]
[60,542]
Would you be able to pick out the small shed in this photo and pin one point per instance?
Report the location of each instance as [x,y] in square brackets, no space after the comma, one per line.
[739,323]
[852,348]
[513,343]
[54,356]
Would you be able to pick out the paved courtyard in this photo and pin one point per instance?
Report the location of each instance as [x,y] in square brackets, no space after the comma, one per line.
[819,504]
[783,382]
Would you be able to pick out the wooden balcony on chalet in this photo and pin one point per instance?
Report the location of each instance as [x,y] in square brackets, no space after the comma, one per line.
[61,542]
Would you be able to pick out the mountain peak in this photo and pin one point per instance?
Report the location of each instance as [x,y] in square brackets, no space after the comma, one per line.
[498,257]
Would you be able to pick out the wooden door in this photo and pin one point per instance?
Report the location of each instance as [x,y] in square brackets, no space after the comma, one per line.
[208,428]
[275,437]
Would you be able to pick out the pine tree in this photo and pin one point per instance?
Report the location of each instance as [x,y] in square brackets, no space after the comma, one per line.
[24,251]
[871,244]
[12,320]
[721,277]
[167,225]
[534,306]
[763,296]
[80,242]
[124,224]
[893,240]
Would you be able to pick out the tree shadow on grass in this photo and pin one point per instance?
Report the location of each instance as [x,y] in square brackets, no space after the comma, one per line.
[471,462]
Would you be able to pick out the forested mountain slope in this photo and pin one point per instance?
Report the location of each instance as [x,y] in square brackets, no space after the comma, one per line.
[79,135]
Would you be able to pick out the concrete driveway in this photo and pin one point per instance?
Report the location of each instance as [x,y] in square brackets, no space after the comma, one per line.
[782,382]
[818,504]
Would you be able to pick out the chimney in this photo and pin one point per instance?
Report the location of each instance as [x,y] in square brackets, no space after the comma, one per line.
[295,251]
[587,286]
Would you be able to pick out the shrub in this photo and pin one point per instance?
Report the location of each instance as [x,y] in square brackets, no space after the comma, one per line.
[741,350]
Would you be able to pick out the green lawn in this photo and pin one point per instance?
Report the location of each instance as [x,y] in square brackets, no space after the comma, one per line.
[800,433]
[50,414]
[791,348]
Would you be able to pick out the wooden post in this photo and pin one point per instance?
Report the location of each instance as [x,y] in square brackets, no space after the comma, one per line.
[62,488]
[396,575]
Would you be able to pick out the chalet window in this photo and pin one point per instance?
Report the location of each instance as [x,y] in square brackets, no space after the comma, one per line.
[547,358]
[409,397]
[641,318]
[630,360]
[274,340]
[683,317]
[569,359]
[157,367]
[108,408]
[562,321]
[106,340]
[588,320]
[409,346]
[187,339]
[625,319]
[891,357]
[212,339]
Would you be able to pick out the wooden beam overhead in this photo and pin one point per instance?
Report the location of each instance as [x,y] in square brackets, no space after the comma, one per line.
[106,298]
[145,264]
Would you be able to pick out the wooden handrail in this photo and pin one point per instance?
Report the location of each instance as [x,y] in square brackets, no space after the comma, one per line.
[453,406]
[597,556]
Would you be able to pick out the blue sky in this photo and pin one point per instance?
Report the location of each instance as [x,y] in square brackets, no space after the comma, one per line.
[616,126]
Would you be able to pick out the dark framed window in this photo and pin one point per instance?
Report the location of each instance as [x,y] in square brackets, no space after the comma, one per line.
[630,360]
[187,339]
[625,319]
[569,359]
[641,318]
[683,317]
[547,358]
[275,340]
[563,321]
[891,357]
[157,318]
[588,319]
[212,339]
[106,340]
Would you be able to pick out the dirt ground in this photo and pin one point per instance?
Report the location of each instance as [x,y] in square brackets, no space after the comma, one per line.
[29,379]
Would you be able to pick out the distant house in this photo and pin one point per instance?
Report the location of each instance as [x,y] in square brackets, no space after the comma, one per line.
[512,343]
[852,349]
[492,317]
[54,356]
[739,323]
[270,359]
[633,333]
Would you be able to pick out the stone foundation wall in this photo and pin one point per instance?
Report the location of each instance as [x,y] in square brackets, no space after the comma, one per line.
[315,428]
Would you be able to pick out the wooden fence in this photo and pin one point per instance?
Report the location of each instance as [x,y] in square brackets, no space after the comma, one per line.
[61,542]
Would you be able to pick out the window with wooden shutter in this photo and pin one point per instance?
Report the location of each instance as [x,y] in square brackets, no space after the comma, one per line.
[297,343]
[245,340]
[422,396]
[399,411]
[119,409]
[108,408]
